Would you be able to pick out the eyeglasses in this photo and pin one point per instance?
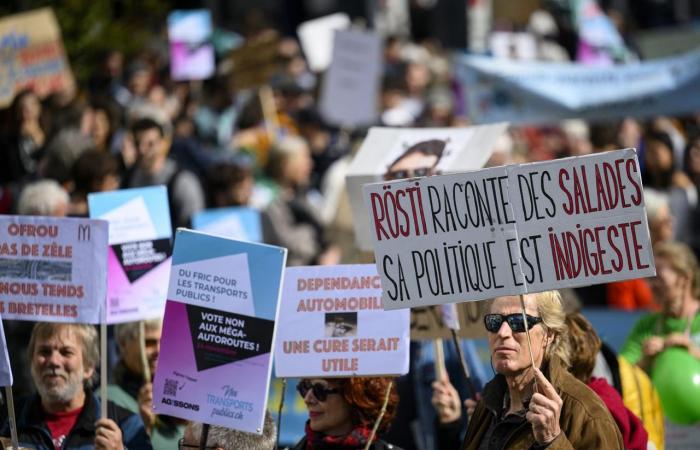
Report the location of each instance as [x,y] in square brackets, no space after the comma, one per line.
[320,391]
[516,323]
[408,173]
[182,446]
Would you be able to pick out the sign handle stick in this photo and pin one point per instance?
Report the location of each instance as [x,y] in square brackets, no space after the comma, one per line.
[381,416]
[529,342]
[463,365]
[267,101]
[12,417]
[204,437]
[279,412]
[103,370]
[142,352]
[439,361]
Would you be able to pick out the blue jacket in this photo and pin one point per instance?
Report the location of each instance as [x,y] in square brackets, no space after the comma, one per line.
[33,432]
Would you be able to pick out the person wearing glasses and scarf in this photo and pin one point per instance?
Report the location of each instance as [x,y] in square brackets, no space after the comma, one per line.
[342,412]
[528,409]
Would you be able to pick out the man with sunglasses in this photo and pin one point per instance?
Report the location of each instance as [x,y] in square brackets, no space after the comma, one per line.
[544,407]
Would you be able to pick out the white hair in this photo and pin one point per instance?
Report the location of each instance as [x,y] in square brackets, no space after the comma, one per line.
[41,198]
[228,439]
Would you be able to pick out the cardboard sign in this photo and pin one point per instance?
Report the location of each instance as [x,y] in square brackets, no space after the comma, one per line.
[254,63]
[240,223]
[191,53]
[351,87]
[139,253]
[32,55]
[52,270]
[428,322]
[510,230]
[316,38]
[216,349]
[459,149]
[332,324]
[5,368]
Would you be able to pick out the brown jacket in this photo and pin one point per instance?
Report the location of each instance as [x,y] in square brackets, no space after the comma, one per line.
[585,422]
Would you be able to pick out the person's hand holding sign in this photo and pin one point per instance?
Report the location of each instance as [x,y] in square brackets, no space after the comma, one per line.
[544,411]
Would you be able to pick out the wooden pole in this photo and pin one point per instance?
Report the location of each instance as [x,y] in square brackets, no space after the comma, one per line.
[103,369]
[381,416]
[11,417]
[529,342]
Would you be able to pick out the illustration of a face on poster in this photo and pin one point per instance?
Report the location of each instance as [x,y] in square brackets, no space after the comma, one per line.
[419,154]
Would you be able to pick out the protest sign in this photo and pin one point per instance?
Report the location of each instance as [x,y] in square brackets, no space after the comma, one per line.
[351,86]
[332,324]
[510,230]
[536,92]
[316,38]
[32,55]
[216,349]
[385,153]
[52,269]
[238,223]
[139,254]
[5,368]
[191,52]
[253,63]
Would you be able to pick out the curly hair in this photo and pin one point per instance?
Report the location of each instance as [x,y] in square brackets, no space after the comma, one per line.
[366,397]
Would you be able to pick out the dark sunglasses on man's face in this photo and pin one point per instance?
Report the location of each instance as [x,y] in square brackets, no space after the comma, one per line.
[516,323]
[408,173]
[319,390]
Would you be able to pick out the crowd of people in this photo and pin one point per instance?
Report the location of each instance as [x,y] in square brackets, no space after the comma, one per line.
[213,145]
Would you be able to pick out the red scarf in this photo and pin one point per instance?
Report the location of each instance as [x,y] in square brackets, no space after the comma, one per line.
[356,439]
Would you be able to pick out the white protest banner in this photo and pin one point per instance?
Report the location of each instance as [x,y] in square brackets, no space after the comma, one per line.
[139,253]
[316,38]
[510,230]
[332,324]
[32,55]
[390,153]
[351,87]
[537,92]
[52,269]
[216,350]
[5,368]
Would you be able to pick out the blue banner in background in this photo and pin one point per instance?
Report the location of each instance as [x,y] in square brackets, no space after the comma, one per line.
[498,90]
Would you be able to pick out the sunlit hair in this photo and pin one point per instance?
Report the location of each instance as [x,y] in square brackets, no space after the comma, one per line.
[129,331]
[551,310]
[585,345]
[86,334]
[230,439]
[282,152]
[366,397]
[682,260]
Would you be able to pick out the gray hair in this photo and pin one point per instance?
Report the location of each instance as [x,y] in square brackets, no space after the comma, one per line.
[41,198]
[234,440]
[128,331]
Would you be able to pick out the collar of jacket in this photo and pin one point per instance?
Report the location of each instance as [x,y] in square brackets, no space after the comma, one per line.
[33,415]
[496,390]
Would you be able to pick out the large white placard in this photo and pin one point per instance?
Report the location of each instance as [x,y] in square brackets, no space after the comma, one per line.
[510,230]
[52,269]
[332,324]
[316,38]
[351,88]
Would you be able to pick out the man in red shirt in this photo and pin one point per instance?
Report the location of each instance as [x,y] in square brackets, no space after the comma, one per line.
[64,413]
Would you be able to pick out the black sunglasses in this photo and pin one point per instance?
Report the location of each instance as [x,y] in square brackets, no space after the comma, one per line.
[408,173]
[516,323]
[320,391]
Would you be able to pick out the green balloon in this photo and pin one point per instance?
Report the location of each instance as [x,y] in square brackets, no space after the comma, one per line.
[676,376]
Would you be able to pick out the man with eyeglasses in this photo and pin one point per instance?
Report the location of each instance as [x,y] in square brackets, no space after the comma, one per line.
[220,438]
[522,407]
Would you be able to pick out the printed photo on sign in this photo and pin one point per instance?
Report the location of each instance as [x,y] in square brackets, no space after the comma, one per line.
[52,269]
[399,153]
[139,253]
[332,325]
[219,326]
[510,230]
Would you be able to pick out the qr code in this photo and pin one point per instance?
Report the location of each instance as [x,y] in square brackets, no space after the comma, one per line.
[170,387]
